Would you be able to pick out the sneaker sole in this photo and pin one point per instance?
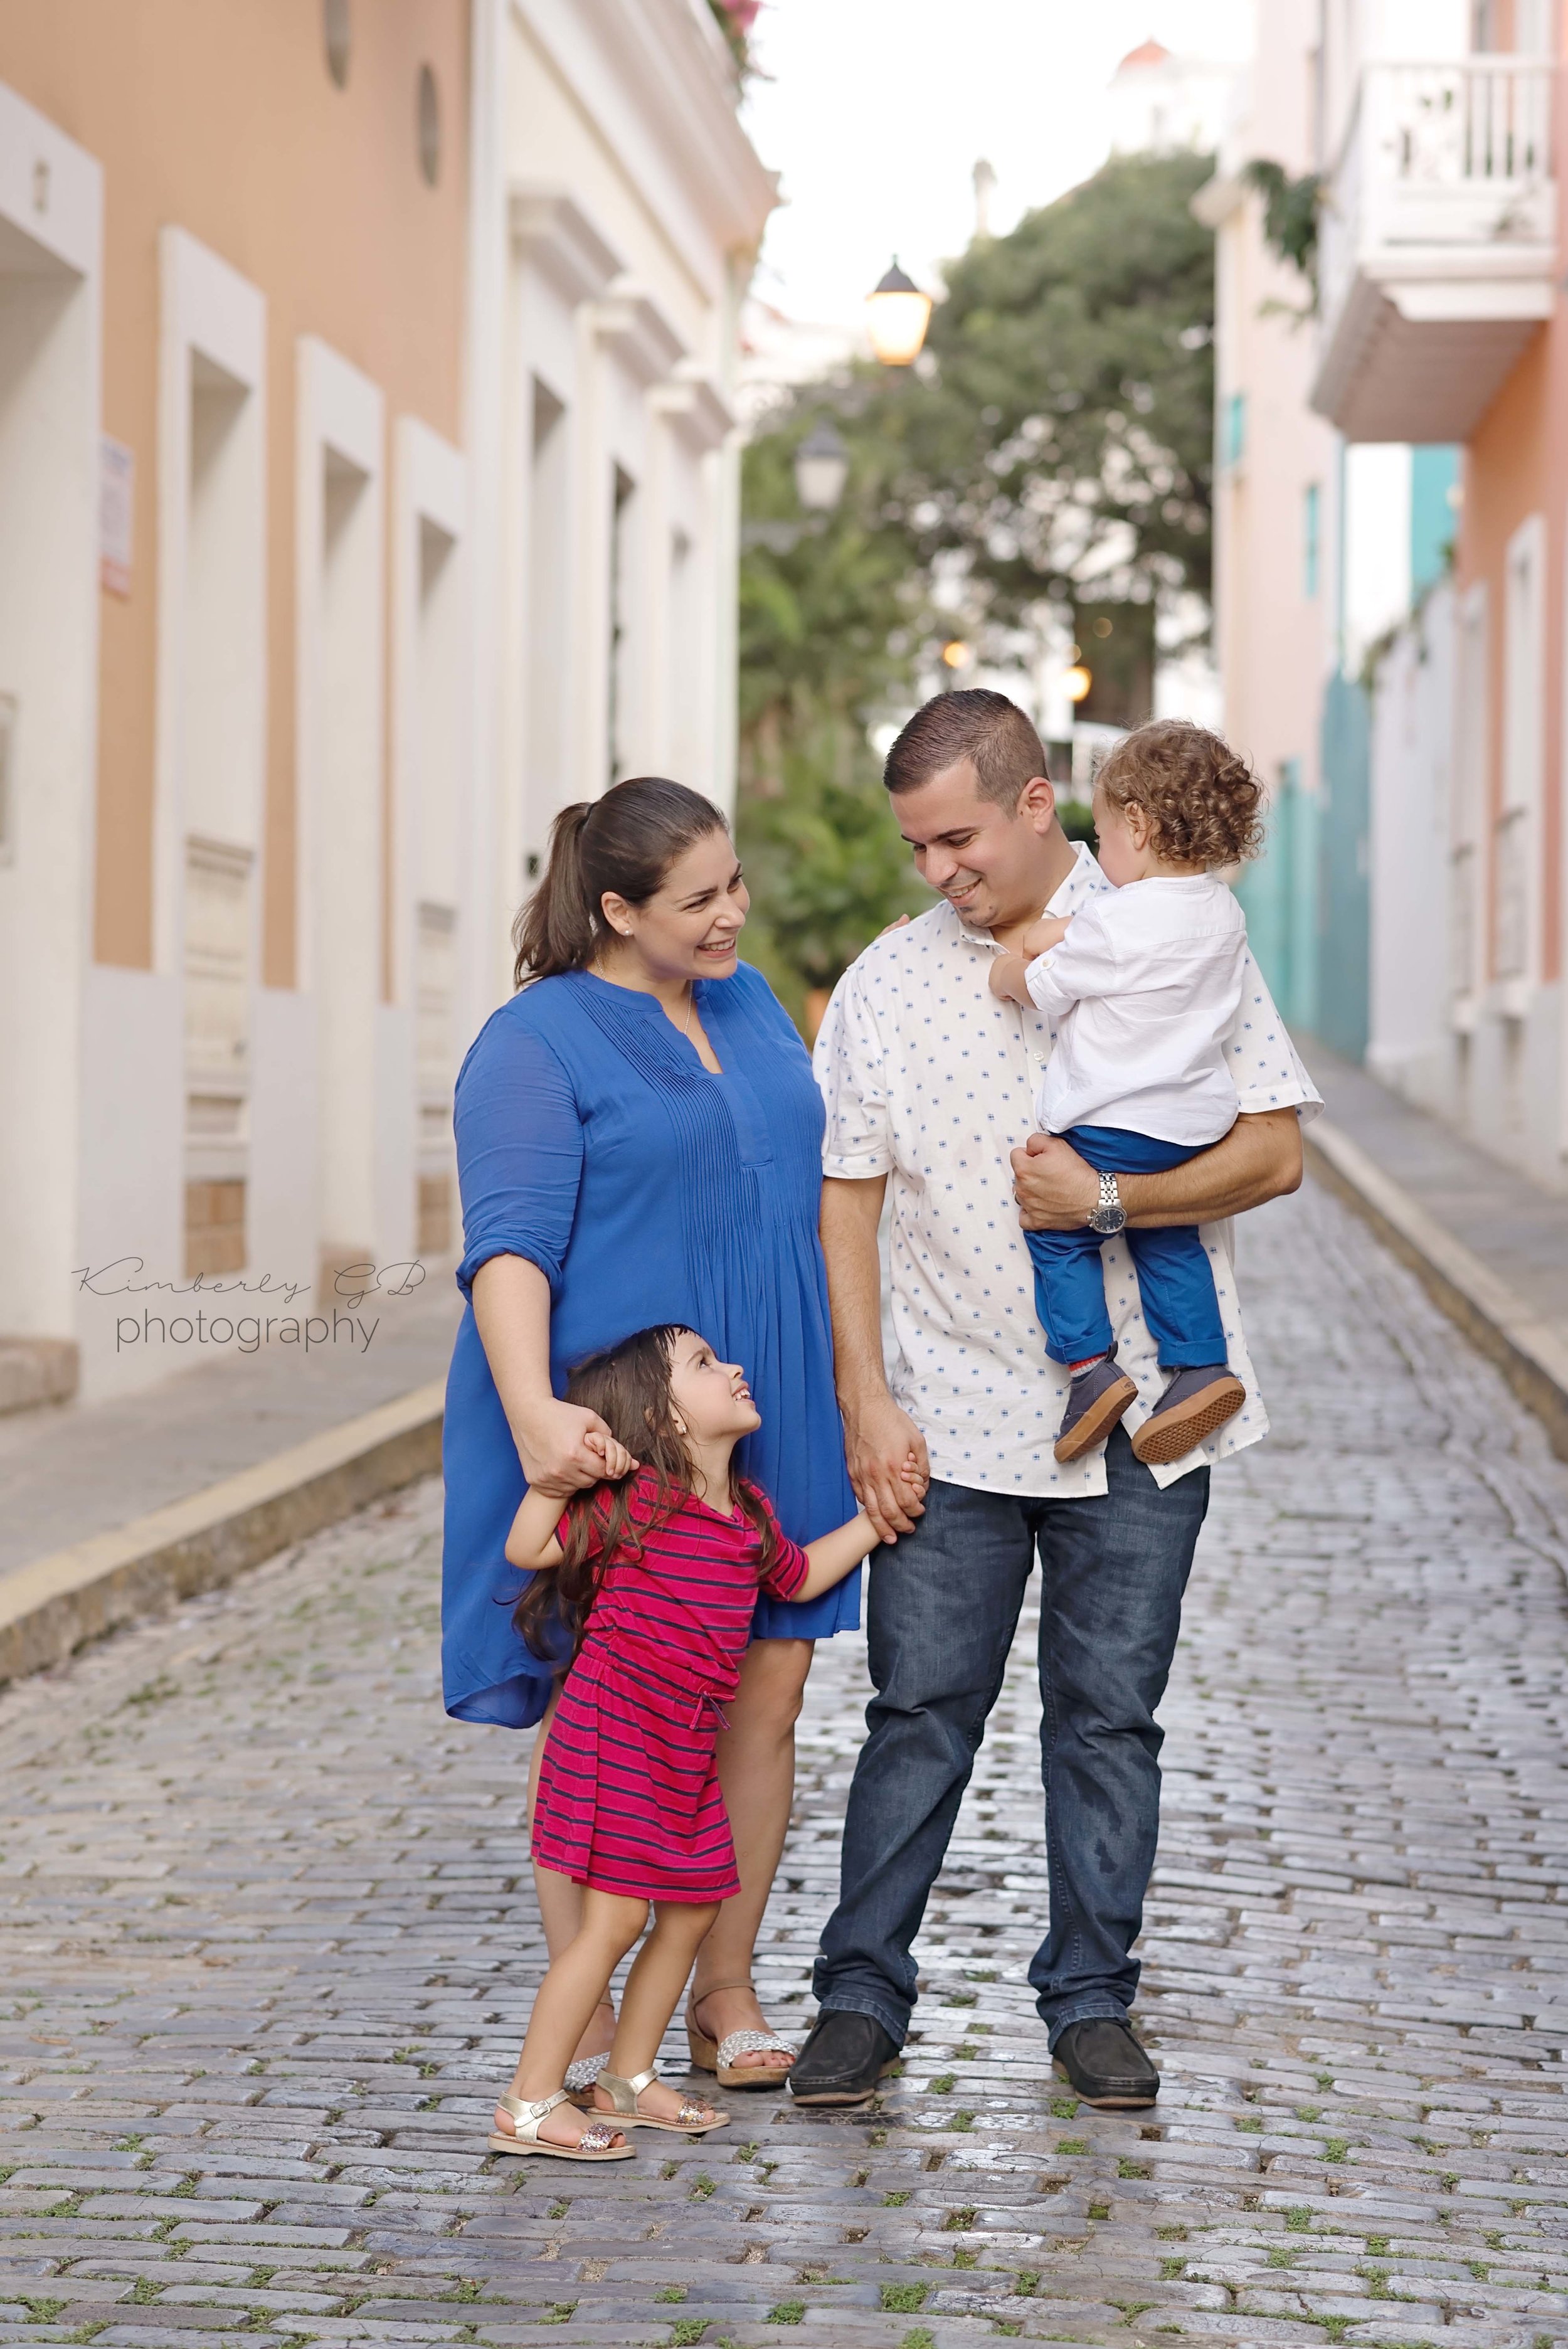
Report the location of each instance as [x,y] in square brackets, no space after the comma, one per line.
[1096,1423]
[1171,1434]
[843,2096]
[1131,2103]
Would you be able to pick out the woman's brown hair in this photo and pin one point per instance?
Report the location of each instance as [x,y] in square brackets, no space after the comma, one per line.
[1200,797]
[629,1386]
[623,844]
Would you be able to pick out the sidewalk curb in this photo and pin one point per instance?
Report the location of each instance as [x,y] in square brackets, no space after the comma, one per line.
[1528,1352]
[55,1604]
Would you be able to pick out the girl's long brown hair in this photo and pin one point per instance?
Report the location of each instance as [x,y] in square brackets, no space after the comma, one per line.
[629,1386]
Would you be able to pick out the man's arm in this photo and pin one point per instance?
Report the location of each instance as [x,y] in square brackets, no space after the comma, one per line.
[878,1436]
[1259,1158]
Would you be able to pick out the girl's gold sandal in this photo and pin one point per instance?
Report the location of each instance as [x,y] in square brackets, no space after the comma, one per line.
[692,2120]
[595,2144]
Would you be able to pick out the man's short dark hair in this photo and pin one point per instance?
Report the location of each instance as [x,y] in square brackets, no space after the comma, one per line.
[985,728]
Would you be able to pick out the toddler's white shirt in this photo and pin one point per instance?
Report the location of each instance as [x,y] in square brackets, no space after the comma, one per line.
[1144,990]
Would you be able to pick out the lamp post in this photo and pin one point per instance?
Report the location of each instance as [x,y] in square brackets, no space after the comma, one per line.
[821,468]
[897,315]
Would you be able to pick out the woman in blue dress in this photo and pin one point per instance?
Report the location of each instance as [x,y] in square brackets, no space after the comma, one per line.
[639,1142]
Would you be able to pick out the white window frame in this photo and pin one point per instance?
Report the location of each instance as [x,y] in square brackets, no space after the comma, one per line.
[341,418]
[1470,805]
[208,311]
[1516,831]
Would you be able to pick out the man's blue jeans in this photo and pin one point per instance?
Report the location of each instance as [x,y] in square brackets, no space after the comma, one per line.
[942,1607]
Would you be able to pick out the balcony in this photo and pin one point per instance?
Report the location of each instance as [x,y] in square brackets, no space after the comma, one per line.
[1438,246]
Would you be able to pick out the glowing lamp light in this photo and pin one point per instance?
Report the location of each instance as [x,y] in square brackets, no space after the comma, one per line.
[956,654]
[1078,682]
[897,315]
[821,468]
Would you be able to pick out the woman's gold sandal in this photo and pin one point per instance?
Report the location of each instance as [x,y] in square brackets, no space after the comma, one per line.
[691,2120]
[719,2055]
[597,2142]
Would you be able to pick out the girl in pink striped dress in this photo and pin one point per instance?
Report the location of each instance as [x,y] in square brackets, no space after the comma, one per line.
[648,1584]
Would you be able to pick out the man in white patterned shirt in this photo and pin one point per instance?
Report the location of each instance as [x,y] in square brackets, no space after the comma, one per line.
[928,1079]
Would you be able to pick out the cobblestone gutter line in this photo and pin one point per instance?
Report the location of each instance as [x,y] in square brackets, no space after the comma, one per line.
[267,1944]
[1528,1349]
[52,1607]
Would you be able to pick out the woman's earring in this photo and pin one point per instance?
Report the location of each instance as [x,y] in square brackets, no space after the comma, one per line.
[677,1422]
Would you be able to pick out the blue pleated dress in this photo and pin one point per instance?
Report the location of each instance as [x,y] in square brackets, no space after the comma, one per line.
[591,1141]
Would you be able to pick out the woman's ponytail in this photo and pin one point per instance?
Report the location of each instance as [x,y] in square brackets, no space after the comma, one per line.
[557,929]
[623,844]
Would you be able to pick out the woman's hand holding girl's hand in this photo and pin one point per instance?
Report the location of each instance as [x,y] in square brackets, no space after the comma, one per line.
[618,1460]
[565,1449]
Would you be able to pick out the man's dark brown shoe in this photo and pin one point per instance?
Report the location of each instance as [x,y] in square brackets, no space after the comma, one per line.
[1105,2065]
[842,2061]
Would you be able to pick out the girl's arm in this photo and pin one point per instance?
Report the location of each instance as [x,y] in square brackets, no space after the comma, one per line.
[531,1543]
[834,1555]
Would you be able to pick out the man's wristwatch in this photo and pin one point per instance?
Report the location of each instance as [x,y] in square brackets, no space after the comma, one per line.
[1109,1214]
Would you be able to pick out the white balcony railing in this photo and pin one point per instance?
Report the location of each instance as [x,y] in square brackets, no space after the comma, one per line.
[1442,202]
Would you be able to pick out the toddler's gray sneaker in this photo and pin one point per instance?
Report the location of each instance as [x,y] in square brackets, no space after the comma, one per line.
[1192,1406]
[1096,1400]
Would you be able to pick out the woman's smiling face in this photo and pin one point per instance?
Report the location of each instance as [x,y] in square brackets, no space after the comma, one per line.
[689,926]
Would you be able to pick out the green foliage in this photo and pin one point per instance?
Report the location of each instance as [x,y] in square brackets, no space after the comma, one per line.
[827,867]
[1291,209]
[829,618]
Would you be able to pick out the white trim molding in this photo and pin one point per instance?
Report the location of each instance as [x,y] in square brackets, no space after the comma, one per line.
[51,334]
[632,329]
[341,775]
[663,95]
[695,409]
[564,244]
[209,313]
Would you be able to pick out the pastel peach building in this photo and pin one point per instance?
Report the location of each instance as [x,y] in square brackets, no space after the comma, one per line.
[368,490]
[1444,319]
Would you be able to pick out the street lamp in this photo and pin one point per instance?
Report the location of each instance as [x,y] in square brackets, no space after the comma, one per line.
[821,468]
[897,315]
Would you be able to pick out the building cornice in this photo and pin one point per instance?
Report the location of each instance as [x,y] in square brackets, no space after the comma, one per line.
[630,323]
[695,408]
[661,93]
[562,241]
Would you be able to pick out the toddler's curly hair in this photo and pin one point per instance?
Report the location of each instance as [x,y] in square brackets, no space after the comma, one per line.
[1200,797]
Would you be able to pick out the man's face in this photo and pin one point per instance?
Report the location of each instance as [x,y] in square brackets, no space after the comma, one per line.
[993,869]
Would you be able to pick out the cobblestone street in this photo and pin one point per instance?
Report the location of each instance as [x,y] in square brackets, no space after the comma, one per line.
[269,1943]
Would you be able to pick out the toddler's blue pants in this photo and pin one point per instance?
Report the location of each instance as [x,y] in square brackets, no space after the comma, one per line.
[1174,1282]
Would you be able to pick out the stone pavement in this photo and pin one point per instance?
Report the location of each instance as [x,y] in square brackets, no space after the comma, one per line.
[1517,1228]
[267,1945]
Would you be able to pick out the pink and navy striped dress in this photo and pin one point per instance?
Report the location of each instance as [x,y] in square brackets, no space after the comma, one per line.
[628,1793]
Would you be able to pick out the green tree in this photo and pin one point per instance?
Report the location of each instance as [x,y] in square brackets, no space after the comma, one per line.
[1066,440]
